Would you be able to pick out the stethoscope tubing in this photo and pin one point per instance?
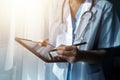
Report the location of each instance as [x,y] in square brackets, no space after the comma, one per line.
[90,10]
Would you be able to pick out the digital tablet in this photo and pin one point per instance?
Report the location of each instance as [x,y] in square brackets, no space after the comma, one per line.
[33,46]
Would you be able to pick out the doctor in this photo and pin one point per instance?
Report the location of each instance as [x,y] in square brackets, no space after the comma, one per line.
[75,21]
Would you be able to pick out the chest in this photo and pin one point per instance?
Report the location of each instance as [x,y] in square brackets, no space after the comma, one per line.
[74,6]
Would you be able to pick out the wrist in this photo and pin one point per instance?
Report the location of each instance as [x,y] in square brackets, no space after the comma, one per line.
[80,55]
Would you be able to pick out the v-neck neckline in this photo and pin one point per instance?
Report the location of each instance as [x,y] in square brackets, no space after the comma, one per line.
[74,12]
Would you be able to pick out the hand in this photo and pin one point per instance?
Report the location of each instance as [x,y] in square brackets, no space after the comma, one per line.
[68,53]
[44,42]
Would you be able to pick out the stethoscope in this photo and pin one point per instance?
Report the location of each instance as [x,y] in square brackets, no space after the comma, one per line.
[87,14]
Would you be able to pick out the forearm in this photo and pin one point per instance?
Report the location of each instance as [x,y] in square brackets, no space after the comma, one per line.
[92,56]
[73,54]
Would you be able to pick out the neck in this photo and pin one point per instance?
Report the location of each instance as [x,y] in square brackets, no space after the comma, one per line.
[78,1]
[74,6]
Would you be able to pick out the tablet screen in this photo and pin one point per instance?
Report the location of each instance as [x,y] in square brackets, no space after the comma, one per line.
[36,48]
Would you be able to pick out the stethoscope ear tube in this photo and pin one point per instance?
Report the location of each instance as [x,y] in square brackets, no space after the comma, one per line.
[63,10]
[86,16]
[93,1]
[90,10]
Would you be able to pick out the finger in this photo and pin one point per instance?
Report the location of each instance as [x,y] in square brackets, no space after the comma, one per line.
[61,47]
[69,48]
[65,53]
[57,58]
[69,59]
[63,57]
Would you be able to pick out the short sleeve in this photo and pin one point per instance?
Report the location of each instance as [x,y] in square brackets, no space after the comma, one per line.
[110,29]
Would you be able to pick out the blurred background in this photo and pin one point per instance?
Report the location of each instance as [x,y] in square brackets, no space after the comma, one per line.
[26,19]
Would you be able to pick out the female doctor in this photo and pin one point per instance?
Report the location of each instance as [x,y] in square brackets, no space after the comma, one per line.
[76,21]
